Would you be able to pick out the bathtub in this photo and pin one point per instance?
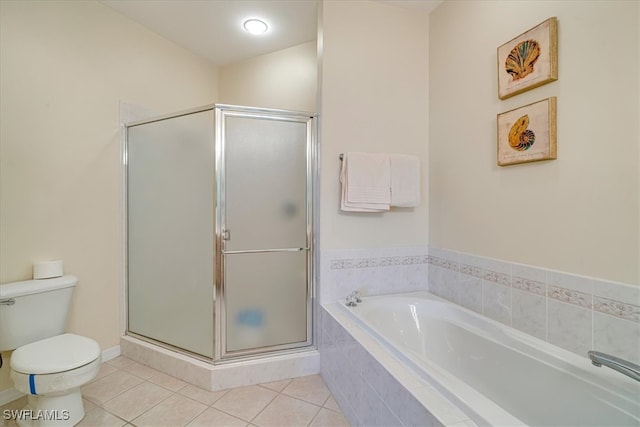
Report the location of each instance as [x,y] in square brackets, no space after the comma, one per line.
[497,375]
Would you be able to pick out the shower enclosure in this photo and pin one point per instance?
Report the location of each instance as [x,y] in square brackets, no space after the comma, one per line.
[220,230]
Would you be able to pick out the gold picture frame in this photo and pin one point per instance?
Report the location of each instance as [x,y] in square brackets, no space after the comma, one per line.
[528,133]
[529,60]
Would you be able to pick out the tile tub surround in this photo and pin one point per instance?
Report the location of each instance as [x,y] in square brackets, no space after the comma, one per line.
[372,272]
[126,393]
[574,312]
[371,386]
[219,377]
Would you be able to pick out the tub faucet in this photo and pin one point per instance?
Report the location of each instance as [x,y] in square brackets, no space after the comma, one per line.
[625,367]
[356,296]
[351,302]
[353,299]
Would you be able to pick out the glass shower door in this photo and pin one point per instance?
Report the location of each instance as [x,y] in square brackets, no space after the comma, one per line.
[264,230]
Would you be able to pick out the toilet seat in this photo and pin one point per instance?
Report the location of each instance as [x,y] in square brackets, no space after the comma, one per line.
[57,383]
[53,355]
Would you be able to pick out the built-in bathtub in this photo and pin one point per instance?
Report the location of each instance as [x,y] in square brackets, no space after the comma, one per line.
[494,374]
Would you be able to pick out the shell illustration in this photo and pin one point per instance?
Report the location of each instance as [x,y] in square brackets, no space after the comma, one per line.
[522,58]
[521,138]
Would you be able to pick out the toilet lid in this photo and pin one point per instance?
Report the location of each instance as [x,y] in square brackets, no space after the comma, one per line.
[56,354]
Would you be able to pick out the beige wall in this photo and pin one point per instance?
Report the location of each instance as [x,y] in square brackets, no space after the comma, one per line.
[375,99]
[65,67]
[578,213]
[285,79]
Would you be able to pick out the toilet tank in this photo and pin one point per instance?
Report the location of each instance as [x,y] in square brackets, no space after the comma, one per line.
[32,310]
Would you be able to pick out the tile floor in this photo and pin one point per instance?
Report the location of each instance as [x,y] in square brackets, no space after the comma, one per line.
[126,393]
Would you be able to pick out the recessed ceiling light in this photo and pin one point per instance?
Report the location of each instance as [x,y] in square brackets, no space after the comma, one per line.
[255,26]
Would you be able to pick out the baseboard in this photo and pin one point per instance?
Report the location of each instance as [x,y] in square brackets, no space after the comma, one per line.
[11,394]
[111,353]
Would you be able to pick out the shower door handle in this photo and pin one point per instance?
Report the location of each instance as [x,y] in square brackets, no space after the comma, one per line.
[259,251]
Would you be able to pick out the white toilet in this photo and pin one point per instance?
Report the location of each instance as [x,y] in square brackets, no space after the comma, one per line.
[47,364]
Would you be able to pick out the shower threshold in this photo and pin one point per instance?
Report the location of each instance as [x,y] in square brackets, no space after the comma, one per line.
[212,377]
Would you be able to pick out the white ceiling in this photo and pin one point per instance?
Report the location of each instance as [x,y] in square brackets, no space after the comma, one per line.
[213,29]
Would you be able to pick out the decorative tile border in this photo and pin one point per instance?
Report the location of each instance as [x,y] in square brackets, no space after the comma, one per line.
[444,263]
[531,286]
[471,270]
[617,308]
[570,296]
[341,264]
[500,278]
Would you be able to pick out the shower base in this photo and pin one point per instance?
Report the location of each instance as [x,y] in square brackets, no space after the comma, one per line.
[218,377]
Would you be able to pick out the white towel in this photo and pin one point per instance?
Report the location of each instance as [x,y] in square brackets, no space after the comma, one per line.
[366,182]
[405,180]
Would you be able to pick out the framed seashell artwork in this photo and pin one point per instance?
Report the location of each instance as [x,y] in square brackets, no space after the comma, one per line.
[527,134]
[529,60]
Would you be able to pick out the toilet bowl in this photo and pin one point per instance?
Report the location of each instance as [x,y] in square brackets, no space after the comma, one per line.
[47,364]
[52,371]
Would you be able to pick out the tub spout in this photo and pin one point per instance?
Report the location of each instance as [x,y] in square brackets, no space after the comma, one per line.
[625,367]
[353,299]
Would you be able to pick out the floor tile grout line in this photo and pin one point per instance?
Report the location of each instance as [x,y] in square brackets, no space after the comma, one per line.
[209,405]
[327,399]
[333,410]
[314,416]
[284,391]
[197,415]
[235,416]
[107,411]
[101,404]
[221,396]
[166,388]
[291,397]
[110,362]
[324,405]
[146,379]
[231,415]
[289,381]
[265,406]
[138,416]
[301,400]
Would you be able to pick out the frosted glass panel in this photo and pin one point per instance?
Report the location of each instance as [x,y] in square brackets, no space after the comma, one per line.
[266,299]
[171,231]
[266,178]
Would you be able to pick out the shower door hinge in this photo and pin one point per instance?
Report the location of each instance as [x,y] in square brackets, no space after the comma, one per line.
[226,235]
